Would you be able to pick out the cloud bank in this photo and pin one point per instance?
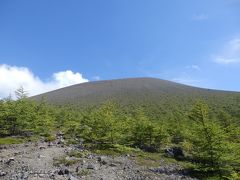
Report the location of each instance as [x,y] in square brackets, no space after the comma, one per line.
[230,53]
[13,77]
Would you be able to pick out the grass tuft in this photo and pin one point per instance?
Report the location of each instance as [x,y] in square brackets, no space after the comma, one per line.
[64,161]
[11,140]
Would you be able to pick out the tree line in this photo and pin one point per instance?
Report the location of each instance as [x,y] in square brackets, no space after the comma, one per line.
[211,140]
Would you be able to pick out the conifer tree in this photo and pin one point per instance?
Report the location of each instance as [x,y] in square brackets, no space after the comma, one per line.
[20,93]
[102,125]
[211,149]
[143,130]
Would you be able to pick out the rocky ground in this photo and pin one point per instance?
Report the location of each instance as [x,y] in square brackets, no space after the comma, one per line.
[40,161]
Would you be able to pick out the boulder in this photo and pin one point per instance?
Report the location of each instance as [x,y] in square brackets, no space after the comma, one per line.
[51,175]
[112,165]
[90,156]
[41,175]
[72,177]
[8,162]
[102,160]
[63,171]
[42,147]
[91,166]
[50,144]
[2,173]
[61,141]
[175,152]
[60,133]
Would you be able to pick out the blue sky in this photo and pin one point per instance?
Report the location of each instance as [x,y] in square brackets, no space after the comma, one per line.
[192,42]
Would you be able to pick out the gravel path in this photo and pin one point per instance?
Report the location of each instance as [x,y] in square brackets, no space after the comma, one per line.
[36,161]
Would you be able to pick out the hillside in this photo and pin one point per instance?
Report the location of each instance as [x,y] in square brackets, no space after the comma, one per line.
[145,91]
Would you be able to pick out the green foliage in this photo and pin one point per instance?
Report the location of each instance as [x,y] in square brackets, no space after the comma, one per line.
[24,117]
[146,133]
[142,130]
[209,137]
[16,116]
[21,93]
[101,125]
[211,147]
[9,140]
[83,172]
[78,154]
[50,138]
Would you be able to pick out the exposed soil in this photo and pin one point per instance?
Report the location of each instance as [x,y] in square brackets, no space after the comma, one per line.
[39,161]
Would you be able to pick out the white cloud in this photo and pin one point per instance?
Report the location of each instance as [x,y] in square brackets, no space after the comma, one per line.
[193,67]
[186,80]
[200,17]
[66,78]
[230,53]
[224,60]
[13,77]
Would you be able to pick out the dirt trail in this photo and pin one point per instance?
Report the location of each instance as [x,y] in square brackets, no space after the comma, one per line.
[35,161]
[29,161]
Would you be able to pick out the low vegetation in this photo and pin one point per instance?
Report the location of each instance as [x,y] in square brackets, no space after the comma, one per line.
[64,161]
[209,137]
[11,140]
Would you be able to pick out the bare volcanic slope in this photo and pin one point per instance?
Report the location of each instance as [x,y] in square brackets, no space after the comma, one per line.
[137,91]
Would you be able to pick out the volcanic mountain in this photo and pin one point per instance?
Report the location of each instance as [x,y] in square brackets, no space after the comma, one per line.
[146,91]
